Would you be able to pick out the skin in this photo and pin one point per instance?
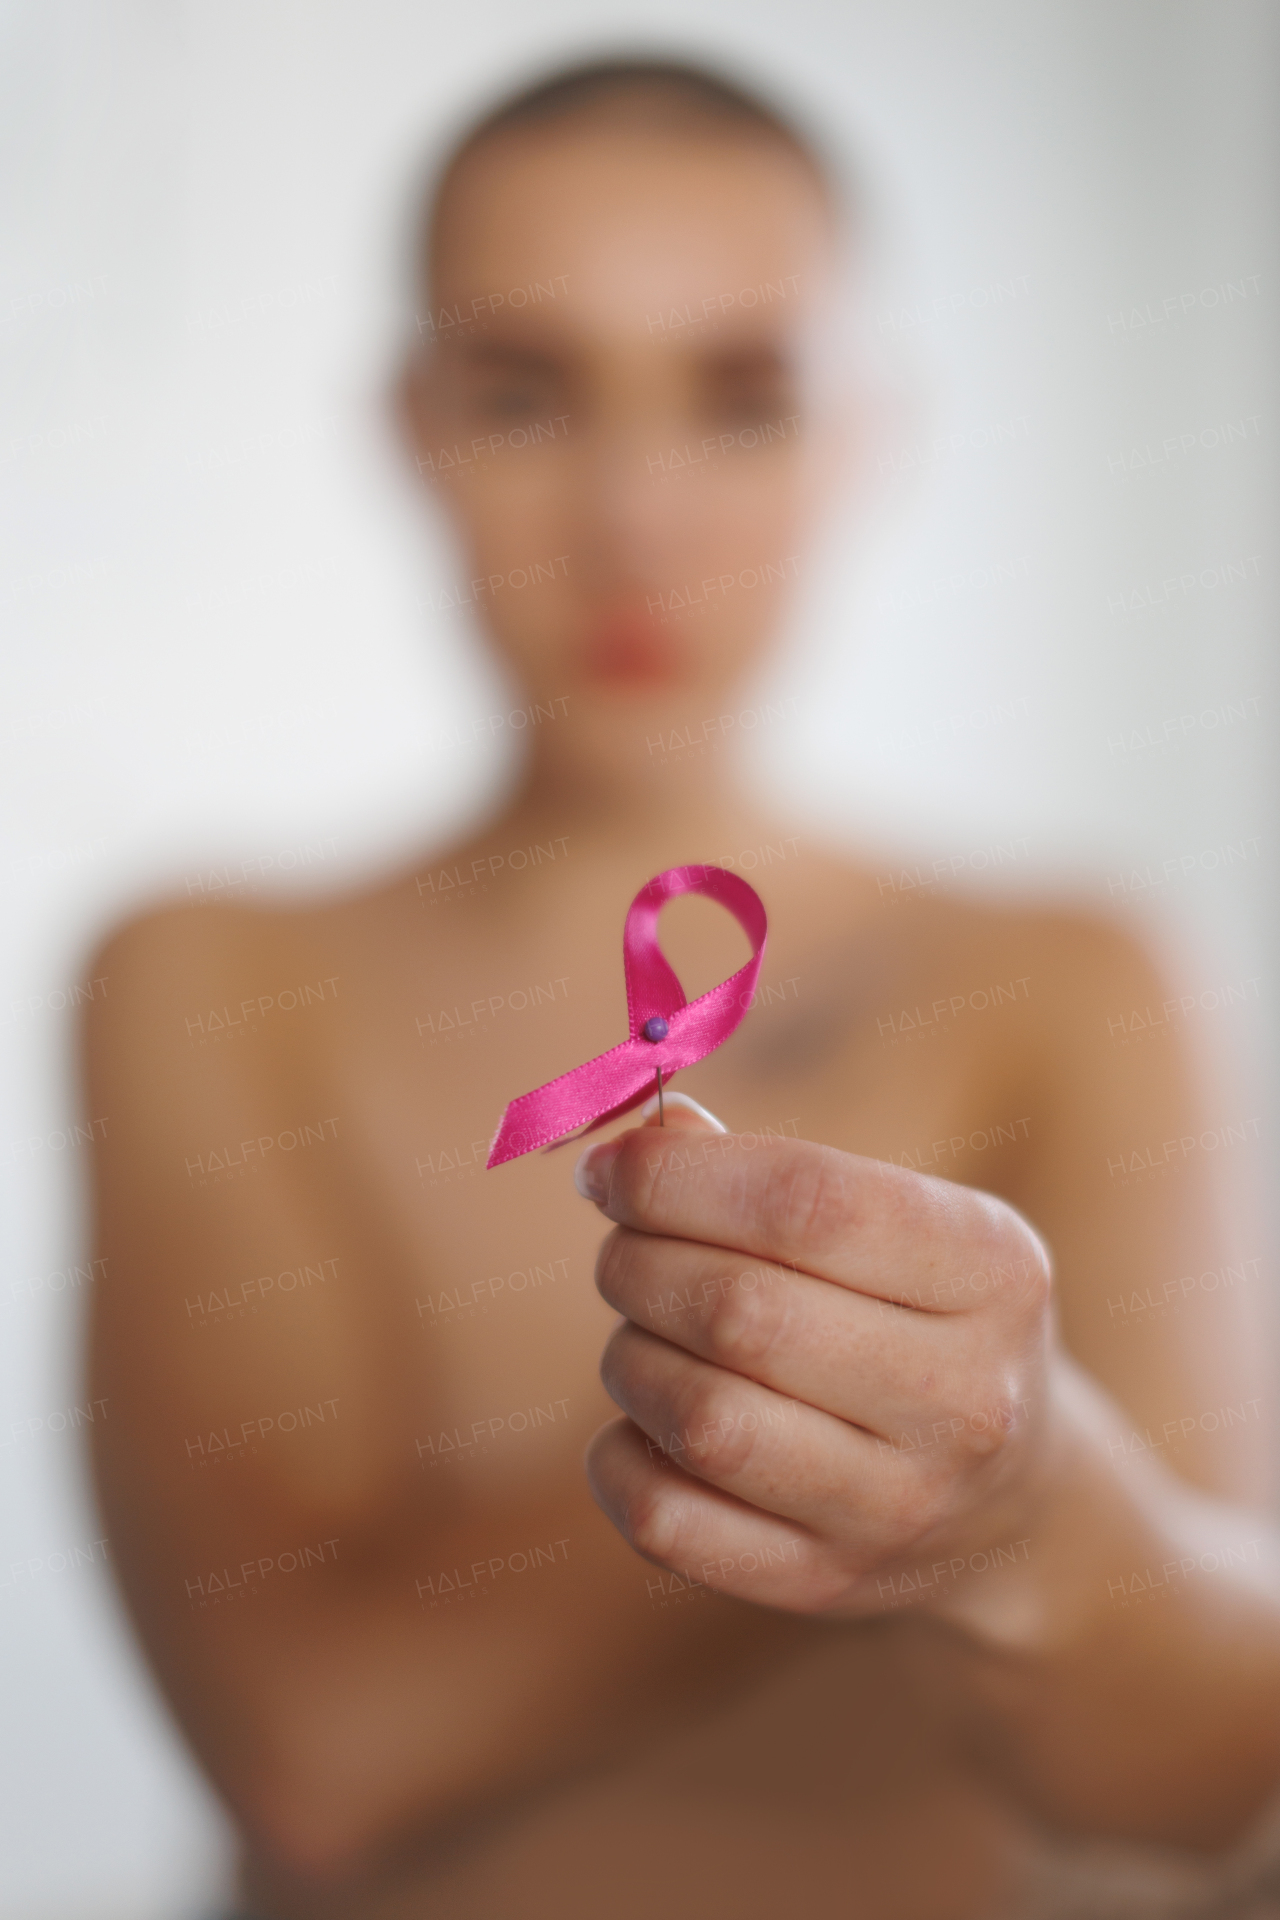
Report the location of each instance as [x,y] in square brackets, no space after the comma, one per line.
[870,1415]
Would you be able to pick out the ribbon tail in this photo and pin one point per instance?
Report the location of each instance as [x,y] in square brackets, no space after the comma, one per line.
[603,1088]
[614,1113]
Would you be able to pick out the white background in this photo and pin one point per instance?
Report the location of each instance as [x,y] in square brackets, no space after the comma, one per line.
[217,587]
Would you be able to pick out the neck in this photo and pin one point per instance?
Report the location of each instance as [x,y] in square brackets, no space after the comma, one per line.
[686,805]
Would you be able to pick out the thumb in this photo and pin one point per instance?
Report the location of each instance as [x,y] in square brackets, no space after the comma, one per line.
[680,1115]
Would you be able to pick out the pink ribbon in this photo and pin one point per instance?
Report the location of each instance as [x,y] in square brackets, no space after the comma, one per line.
[615,1082]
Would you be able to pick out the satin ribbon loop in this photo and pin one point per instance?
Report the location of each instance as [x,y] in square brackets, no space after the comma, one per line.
[615,1082]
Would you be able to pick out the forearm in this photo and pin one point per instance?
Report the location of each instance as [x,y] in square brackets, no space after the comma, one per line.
[1123,1676]
[335,1709]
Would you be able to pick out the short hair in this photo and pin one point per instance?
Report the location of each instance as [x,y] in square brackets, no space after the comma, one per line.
[652,91]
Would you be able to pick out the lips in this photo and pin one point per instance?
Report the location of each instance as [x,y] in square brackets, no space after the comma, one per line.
[631,649]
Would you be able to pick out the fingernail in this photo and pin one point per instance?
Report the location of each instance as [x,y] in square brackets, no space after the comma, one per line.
[591,1175]
[650,1107]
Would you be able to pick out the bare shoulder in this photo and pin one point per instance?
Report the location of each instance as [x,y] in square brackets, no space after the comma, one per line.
[202,1003]
[172,945]
[167,962]
[1074,968]
[1043,996]
[171,957]
[1079,1014]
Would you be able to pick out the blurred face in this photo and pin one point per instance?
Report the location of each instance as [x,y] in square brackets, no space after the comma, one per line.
[618,397]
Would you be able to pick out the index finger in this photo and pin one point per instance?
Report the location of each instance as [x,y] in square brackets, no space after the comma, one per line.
[877,1228]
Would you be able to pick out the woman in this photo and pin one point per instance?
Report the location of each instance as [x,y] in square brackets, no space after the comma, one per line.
[875,1552]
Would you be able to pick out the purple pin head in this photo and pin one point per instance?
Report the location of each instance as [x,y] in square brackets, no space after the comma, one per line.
[655,1028]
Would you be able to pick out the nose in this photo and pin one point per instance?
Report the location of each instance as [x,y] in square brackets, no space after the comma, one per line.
[641,512]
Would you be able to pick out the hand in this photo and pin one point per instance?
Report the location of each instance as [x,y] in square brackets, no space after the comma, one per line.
[835,1374]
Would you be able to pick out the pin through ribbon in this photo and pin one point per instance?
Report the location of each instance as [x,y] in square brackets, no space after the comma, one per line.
[667,1031]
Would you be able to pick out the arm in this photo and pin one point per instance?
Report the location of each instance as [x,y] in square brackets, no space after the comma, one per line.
[274,1584]
[1127,1681]
[1141,1174]
[1151,1704]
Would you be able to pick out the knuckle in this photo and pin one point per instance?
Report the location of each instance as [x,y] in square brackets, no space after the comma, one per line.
[720,1438]
[987,1431]
[615,1263]
[920,1502]
[654,1524]
[743,1324]
[1039,1281]
[616,1362]
[987,1405]
[1010,1247]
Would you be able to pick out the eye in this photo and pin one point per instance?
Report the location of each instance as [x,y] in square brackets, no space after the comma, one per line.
[754,404]
[514,400]
[771,411]
[750,390]
[499,387]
